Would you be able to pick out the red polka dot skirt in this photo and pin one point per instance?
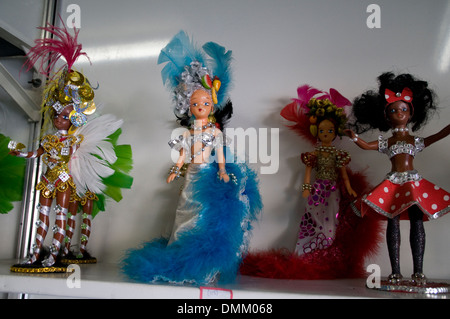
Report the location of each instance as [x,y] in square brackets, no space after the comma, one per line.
[390,199]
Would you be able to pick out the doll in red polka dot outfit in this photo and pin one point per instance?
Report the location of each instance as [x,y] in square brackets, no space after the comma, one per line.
[401,101]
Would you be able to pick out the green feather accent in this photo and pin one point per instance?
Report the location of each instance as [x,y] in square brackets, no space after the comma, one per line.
[124,161]
[120,179]
[12,173]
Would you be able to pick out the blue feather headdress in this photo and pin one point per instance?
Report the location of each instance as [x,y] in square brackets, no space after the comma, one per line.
[189,68]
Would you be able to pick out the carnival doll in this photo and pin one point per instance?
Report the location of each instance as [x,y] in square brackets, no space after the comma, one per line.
[318,224]
[401,105]
[67,101]
[325,247]
[220,197]
[56,183]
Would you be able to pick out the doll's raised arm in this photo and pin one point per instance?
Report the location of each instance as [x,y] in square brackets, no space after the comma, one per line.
[437,137]
[373,146]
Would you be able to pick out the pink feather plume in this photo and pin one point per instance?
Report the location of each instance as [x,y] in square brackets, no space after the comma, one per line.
[297,110]
[50,50]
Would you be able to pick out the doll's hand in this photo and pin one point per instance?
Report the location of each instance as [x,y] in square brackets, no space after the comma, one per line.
[171,178]
[352,192]
[353,136]
[350,133]
[306,193]
[14,153]
[224,177]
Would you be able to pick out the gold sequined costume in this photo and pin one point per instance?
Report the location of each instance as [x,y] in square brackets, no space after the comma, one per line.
[58,150]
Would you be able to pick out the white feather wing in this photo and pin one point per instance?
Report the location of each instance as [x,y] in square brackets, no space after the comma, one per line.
[86,168]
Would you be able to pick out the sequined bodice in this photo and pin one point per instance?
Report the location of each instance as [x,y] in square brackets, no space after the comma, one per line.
[58,150]
[200,143]
[326,167]
[401,147]
[326,161]
[207,138]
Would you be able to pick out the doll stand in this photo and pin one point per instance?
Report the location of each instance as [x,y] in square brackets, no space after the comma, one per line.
[407,286]
[39,269]
[72,259]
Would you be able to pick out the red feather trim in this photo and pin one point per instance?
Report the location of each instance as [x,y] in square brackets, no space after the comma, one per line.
[293,113]
[50,50]
[356,239]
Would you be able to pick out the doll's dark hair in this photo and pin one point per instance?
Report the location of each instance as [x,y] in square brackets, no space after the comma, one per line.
[369,109]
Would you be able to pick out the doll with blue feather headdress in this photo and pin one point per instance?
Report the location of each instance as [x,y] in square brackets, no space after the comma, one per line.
[220,196]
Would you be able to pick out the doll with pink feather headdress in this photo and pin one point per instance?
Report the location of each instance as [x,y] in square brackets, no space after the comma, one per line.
[325,121]
[326,247]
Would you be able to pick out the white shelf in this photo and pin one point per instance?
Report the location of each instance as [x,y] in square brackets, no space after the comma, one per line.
[105,281]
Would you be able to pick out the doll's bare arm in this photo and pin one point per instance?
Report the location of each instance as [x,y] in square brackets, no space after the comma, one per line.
[438,136]
[307,181]
[221,161]
[346,180]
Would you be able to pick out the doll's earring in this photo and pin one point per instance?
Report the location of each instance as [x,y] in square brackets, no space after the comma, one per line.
[211,117]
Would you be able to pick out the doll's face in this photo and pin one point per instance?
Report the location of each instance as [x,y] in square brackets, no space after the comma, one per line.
[61,120]
[398,113]
[201,104]
[326,132]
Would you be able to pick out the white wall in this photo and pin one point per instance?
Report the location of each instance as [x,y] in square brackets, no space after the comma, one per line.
[277,46]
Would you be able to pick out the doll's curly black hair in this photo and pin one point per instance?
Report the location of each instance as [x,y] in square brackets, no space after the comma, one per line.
[369,109]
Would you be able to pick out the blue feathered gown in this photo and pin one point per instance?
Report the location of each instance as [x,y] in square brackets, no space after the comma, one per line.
[211,231]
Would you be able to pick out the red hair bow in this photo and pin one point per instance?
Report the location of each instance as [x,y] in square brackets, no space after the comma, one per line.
[391,97]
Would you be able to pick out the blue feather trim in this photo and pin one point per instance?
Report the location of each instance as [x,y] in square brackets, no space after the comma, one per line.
[221,67]
[181,51]
[178,53]
[214,248]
